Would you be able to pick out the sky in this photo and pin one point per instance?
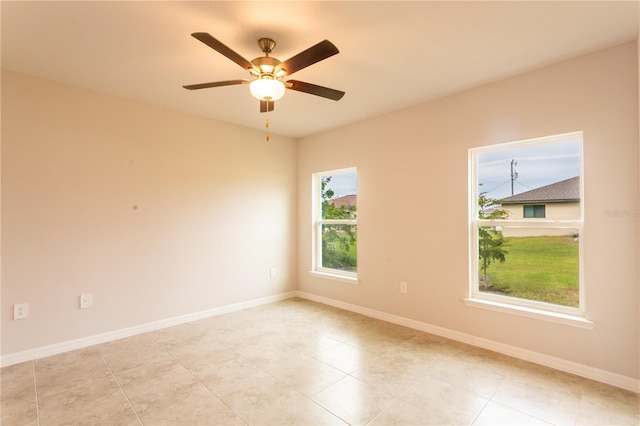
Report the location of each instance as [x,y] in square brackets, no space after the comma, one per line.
[344,183]
[537,166]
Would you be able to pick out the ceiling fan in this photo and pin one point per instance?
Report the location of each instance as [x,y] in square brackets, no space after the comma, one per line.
[267,73]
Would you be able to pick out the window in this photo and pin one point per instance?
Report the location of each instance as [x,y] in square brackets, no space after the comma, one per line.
[526,225]
[335,223]
[534,210]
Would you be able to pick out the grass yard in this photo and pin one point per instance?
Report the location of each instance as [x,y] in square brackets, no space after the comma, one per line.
[335,255]
[544,269]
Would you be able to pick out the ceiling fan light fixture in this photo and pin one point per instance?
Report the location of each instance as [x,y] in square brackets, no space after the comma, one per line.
[267,74]
[267,69]
[267,89]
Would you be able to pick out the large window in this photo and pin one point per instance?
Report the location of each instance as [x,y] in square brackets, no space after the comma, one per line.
[335,220]
[526,224]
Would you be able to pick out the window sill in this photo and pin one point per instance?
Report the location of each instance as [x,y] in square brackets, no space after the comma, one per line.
[566,319]
[335,277]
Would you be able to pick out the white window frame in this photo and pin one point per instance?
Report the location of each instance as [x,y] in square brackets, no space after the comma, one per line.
[523,307]
[317,269]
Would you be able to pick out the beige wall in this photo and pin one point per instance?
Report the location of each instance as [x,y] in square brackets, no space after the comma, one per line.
[418,158]
[156,213]
[554,211]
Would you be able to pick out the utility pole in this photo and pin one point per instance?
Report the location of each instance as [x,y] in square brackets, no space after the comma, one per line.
[514,174]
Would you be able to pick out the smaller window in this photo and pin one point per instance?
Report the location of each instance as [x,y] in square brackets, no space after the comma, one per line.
[335,218]
[536,210]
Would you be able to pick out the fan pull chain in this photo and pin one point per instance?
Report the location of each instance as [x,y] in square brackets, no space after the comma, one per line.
[266,125]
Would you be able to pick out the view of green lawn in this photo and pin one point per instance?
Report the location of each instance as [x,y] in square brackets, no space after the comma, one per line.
[543,268]
[340,248]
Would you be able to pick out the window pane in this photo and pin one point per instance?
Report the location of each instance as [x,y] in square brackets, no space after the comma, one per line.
[534,211]
[339,195]
[339,247]
[532,180]
[539,264]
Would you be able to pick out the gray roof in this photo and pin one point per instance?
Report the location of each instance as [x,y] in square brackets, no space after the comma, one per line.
[345,200]
[566,190]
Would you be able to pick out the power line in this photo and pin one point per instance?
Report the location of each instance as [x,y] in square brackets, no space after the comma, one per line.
[526,186]
[491,190]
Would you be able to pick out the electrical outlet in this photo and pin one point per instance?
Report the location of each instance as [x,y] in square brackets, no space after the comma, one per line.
[272,272]
[86,300]
[20,311]
[403,286]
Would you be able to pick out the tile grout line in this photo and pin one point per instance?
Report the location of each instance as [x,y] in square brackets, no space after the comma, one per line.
[212,393]
[267,372]
[522,412]
[484,407]
[120,387]
[308,398]
[35,391]
[198,380]
[507,376]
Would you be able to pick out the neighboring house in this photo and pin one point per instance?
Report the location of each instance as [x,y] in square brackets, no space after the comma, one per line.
[346,201]
[557,201]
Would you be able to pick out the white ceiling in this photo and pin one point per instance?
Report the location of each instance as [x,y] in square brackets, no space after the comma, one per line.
[392,54]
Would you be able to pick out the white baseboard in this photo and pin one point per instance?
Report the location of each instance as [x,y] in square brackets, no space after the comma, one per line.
[57,348]
[603,376]
[614,379]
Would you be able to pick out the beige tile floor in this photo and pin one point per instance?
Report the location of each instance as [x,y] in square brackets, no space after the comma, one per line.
[300,363]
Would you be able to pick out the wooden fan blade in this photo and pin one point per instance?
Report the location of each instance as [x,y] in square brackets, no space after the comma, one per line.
[220,47]
[214,84]
[314,54]
[314,89]
[267,106]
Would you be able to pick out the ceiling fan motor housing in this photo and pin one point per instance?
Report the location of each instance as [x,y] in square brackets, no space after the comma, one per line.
[266,66]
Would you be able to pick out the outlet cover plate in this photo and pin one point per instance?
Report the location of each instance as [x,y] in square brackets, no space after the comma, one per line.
[86,300]
[20,311]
